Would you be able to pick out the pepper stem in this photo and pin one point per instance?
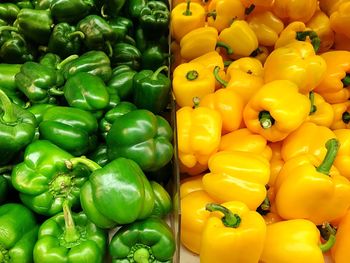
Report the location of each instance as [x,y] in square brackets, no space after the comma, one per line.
[212,14]
[188,9]
[66,60]
[79,34]
[55,92]
[346,117]
[155,74]
[265,119]
[315,40]
[9,115]
[109,48]
[8,28]
[228,49]
[70,164]
[141,255]
[229,219]
[192,75]
[218,78]
[249,9]
[71,234]
[313,107]
[6,168]
[327,233]
[332,146]
[196,101]
[346,80]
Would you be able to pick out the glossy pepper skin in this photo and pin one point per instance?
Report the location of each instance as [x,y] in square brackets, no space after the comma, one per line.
[126,54]
[71,237]
[341,115]
[43,180]
[121,82]
[70,11]
[9,12]
[17,128]
[151,90]
[311,189]
[154,18]
[113,7]
[270,112]
[142,241]
[296,62]
[339,251]
[321,112]
[340,162]
[294,11]
[17,238]
[162,200]
[230,230]
[133,8]
[339,17]
[143,137]
[72,129]
[106,184]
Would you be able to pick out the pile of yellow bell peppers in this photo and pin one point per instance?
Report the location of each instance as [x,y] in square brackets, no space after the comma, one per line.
[262,89]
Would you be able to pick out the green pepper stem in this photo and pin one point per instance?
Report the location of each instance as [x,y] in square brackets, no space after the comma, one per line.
[188,9]
[227,63]
[332,146]
[265,206]
[229,219]
[196,101]
[313,107]
[55,92]
[228,49]
[212,14]
[315,40]
[218,78]
[346,117]
[103,13]
[266,120]
[67,60]
[9,115]
[249,9]
[327,233]
[328,245]
[346,80]
[70,164]
[79,34]
[156,73]
[8,28]
[71,234]
[5,169]
[109,48]
[256,52]
[141,255]
[192,75]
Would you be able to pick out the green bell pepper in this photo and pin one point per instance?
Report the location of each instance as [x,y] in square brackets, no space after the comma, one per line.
[38,110]
[5,182]
[70,237]
[151,90]
[145,41]
[134,7]
[35,24]
[43,180]
[149,240]
[154,18]
[50,60]
[154,57]
[143,137]
[126,54]
[113,7]
[70,11]
[42,4]
[121,82]
[18,233]
[93,62]
[17,127]
[25,4]
[9,12]
[72,129]
[100,156]
[86,91]
[162,200]
[7,77]
[65,40]
[118,193]
[122,26]
[113,114]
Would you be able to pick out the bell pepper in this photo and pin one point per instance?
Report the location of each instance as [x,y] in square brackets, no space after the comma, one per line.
[257,5]
[151,90]
[261,54]
[228,104]
[296,240]
[162,200]
[232,233]
[143,241]
[330,6]
[99,156]
[240,38]
[42,4]
[190,184]
[154,57]
[5,183]
[69,236]
[122,26]
[143,137]
[296,62]
[296,11]
[9,12]
[333,87]
[221,13]
[17,237]
[193,218]
[70,11]
[270,113]
[107,183]
[126,54]
[320,24]
[94,62]
[266,26]
[114,6]
[72,129]
[133,8]
[154,18]
[339,18]
[86,91]
[246,141]
[198,134]
[192,80]
[186,17]
[17,128]
[321,112]
[268,207]
[341,42]
[276,161]
[121,82]
[7,79]
[341,115]
[310,189]
[35,24]
[339,251]
[341,160]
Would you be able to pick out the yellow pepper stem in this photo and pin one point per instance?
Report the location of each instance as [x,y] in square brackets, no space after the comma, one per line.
[332,146]
[313,107]
[188,9]
[225,46]
[315,40]
[265,206]
[346,80]
[346,117]
[328,233]
[266,120]
[229,219]
[218,78]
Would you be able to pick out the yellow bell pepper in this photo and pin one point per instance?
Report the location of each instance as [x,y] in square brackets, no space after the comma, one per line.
[246,141]
[321,112]
[266,27]
[340,19]
[261,54]
[270,112]
[221,13]
[340,251]
[290,11]
[270,214]
[320,24]
[236,175]
[276,161]
[176,58]
[341,42]
[193,171]
[191,80]
[330,6]
[240,38]
[228,104]
[341,116]
[232,233]
[258,5]
[190,184]
[343,156]
[334,86]
[296,62]
[308,138]
[198,134]
[204,3]
[292,241]
[186,17]
[193,218]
